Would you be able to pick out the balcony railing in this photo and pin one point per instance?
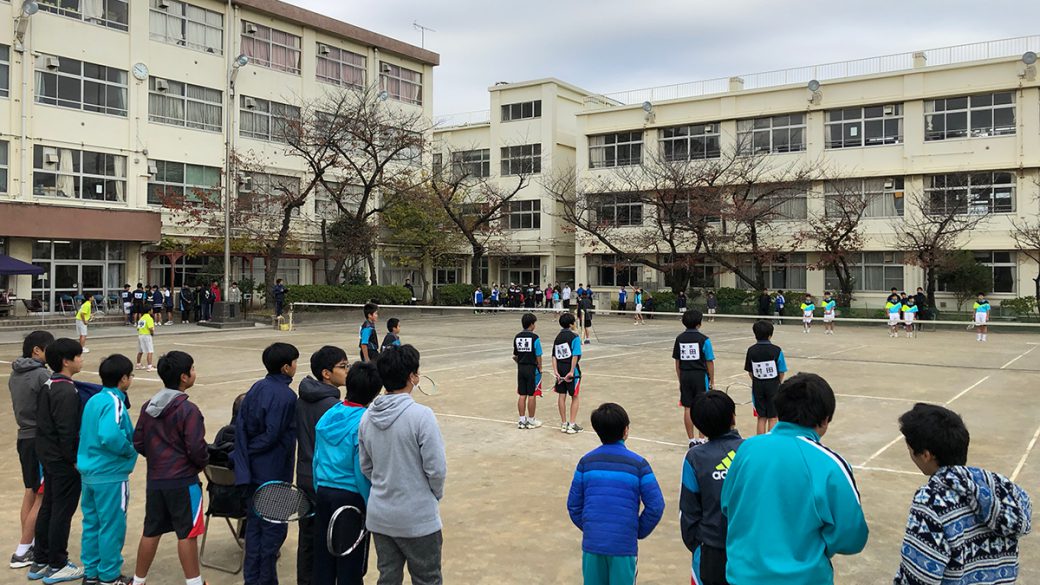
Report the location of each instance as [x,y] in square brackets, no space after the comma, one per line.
[463,119]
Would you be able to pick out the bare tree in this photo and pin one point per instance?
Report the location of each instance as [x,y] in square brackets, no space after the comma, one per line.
[837,234]
[1025,231]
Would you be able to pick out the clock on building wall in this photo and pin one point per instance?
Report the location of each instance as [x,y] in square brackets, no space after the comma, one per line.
[140,71]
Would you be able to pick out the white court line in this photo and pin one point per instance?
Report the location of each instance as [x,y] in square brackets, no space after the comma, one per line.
[1022,355]
[965,391]
[886,470]
[595,375]
[812,357]
[199,345]
[877,397]
[1022,461]
[513,422]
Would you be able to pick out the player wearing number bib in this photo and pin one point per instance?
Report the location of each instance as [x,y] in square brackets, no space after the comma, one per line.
[694,367]
[910,310]
[828,313]
[527,353]
[566,355]
[807,313]
[368,338]
[766,366]
[982,317]
[892,307]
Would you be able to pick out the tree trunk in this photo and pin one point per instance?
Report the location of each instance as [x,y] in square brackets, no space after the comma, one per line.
[370,259]
[474,264]
[677,279]
[929,277]
[329,276]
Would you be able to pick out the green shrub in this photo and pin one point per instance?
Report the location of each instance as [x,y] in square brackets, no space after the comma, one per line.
[348,294]
[664,301]
[732,298]
[455,295]
[1020,307]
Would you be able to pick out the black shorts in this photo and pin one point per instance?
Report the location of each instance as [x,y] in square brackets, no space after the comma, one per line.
[32,472]
[571,388]
[621,306]
[588,323]
[763,398]
[527,379]
[691,384]
[177,510]
[566,303]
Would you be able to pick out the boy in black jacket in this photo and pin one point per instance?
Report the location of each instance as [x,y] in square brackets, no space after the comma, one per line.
[57,441]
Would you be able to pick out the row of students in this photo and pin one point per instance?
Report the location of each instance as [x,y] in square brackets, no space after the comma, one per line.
[369,346]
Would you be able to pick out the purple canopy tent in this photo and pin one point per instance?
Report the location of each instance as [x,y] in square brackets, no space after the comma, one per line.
[9,266]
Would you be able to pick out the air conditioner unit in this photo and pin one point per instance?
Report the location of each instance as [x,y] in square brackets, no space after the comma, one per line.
[245,183]
[249,103]
[161,85]
[889,110]
[52,62]
[153,168]
[324,49]
[889,184]
[164,4]
[50,156]
[889,257]
[709,127]
[385,68]
[250,28]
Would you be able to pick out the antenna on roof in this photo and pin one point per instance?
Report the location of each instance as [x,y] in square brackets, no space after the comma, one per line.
[422,32]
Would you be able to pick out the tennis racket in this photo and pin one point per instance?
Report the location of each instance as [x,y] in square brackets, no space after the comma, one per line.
[970,326]
[280,502]
[427,386]
[346,531]
[739,392]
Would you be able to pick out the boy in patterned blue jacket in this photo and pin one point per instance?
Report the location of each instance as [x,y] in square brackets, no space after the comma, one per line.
[608,486]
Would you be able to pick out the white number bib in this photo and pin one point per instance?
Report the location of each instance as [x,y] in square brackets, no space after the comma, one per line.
[524,345]
[764,370]
[689,351]
[562,351]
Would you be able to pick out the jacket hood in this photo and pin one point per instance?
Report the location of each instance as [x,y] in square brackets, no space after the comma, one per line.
[387,408]
[164,401]
[311,390]
[23,365]
[995,500]
[339,424]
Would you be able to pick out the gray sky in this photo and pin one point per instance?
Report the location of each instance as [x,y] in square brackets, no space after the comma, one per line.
[613,45]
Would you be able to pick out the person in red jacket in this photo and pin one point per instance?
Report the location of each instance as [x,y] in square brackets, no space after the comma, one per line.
[171,434]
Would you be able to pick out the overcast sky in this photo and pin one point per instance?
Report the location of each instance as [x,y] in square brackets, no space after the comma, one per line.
[612,45]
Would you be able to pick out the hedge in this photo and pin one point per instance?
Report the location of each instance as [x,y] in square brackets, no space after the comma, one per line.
[348,294]
[455,295]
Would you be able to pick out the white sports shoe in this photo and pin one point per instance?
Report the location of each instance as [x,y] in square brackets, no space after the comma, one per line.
[86,350]
[533,423]
[70,572]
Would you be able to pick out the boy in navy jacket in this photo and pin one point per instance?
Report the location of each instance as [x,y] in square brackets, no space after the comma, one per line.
[609,484]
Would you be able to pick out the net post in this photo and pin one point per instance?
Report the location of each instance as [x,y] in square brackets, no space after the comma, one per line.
[292,309]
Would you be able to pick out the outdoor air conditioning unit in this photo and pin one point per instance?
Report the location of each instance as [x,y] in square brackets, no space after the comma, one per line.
[889,110]
[50,156]
[889,184]
[385,68]
[250,28]
[245,183]
[323,49]
[249,103]
[161,85]
[52,62]
[889,257]
[153,168]
[164,4]
[709,127]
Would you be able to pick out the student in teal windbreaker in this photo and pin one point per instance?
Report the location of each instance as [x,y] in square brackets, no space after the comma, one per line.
[105,458]
[792,503]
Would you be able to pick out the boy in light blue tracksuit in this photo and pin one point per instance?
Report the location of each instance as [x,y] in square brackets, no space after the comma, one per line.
[105,458]
[786,530]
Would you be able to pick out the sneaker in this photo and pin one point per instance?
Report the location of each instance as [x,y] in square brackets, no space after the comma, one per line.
[37,571]
[140,366]
[571,430]
[86,350]
[70,572]
[533,423]
[168,323]
[564,427]
[521,424]
[575,428]
[149,369]
[91,581]
[22,561]
[121,580]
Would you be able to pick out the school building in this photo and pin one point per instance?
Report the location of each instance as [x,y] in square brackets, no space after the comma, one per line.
[106,106]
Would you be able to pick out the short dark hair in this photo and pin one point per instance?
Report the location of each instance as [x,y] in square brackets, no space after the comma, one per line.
[277,355]
[278,281]
[61,350]
[363,383]
[113,368]
[326,358]
[40,339]
[528,319]
[566,320]
[172,366]
[396,364]
[610,421]
[391,323]
[692,319]
[805,400]
[763,330]
[370,308]
[939,430]
[713,413]
[981,294]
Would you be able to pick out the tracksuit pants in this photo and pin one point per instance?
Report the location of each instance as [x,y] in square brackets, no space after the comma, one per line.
[423,555]
[348,570]
[608,570]
[104,529]
[305,546]
[61,490]
[263,540]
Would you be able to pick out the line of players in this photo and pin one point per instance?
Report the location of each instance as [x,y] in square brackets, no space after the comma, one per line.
[902,312]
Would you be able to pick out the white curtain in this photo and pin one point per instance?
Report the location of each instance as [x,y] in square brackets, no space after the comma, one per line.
[93,9]
[66,180]
[120,167]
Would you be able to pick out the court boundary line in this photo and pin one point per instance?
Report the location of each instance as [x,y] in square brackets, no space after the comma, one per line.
[1022,462]
[546,426]
[1020,356]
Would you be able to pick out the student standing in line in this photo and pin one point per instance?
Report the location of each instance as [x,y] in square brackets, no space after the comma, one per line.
[808,308]
[187,302]
[766,365]
[982,310]
[828,313]
[694,367]
[527,353]
[910,311]
[369,339]
[566,355]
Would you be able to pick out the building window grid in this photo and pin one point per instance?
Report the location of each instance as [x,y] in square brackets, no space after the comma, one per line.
[472,163]
[186,25]
[864,126]
[786,206]
[271,48]
[787,272]
[616,150]
[78,174]
[183,104]
[871,271]
[522,111]
[991,114]
[112,14]
[692,142]
[971,193]
[773,134]
[184,182]
[525,215]
[81,85]
[619,210]
[259,189]
[3,166]
[400,83]
[5,70]
[340,66]
[883,197]
[266,120]
[523,159]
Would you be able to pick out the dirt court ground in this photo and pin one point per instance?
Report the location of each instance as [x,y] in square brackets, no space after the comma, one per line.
[504,511]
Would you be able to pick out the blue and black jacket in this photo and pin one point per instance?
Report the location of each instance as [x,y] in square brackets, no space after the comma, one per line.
[337,461]
[265,432]
[106,439]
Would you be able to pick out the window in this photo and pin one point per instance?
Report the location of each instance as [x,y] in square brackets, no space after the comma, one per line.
[400,83]
[447,275]
[525,215]
[263,192]
[110,13]
[987,192]
[80,85]
[883,197]
[1003,265]
[773,134]
[271,48]
[871,271]
[786,272]
[3,167]
[991,114]
[472,163]
[78,174]
[694,142]
[522,111]
[525,159]
[612,272]
[616,150]
[340,67]
[183,183]
[619,210]
[266,120]
[869,126]
[187,25]
[325,205]
[786,206]
[183,104]
[438,163]
[5,70]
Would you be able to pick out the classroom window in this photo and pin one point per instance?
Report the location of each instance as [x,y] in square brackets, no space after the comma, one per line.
[612,272]
[266,120]
[618,210]
[523,159]
[107,13]
[401,84]
[616,150]
[184,184]
[972,193]
[773,134]
[522,111]
[437,163]
[471,163]
[183,104]
[883,197]
[78,174]
[786,272]
[866,126]
[340,66]
[187,25]
[786,206]
[1003,265]
[266,193]
[990,114]
[447,275]
[692,142]
[80,85]
[524,215]
[271,48]
[5,70]
[871,271]
[3,166]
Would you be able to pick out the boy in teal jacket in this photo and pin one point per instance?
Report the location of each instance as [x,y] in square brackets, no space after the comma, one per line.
[786,531]
[105,458]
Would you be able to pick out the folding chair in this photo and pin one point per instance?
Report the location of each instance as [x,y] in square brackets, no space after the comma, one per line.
[225,501]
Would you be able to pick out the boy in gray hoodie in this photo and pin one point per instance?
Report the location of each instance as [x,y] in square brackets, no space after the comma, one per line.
[402,453]
[29,375]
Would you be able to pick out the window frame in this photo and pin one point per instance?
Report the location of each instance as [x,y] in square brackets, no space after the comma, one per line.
[478,159]
[265,36]
[57,75]
[184,18]
[5,70]
[342,66]
[268,114]
[631,140]
[393,80]
[866,189]
[5,165]
[515,111]
[521,212]
[212,192]
[860,119]
[942,108]
[971,186]
[514,157]
[619,210]
[255,195]
[185,100]
[869,260]
[55,7]
[78,175]
[707,133]
[750,129]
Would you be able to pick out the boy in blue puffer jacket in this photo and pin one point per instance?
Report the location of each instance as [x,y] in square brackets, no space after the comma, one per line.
[608,486]
[105,458]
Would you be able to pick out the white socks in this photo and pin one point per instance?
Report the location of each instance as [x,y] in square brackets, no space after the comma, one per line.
[194,581]
[523,419]
[22,549]
[139,580]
